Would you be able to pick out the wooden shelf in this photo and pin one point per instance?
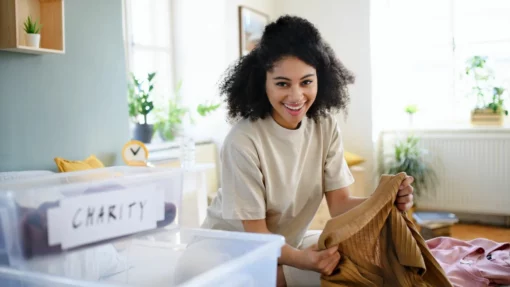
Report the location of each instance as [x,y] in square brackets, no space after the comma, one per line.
[49,13]
[35,51]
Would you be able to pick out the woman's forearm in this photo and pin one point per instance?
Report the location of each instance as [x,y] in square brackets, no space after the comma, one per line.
[289,255]
[341,207]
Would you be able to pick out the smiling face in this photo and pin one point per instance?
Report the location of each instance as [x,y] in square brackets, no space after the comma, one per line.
[291,87]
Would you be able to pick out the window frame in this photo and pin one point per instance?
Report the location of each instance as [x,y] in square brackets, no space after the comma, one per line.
[130,45]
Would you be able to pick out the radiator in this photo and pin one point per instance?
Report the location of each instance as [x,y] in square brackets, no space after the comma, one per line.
[472,165]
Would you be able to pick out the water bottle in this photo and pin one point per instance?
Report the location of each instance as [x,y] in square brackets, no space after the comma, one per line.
[187,152]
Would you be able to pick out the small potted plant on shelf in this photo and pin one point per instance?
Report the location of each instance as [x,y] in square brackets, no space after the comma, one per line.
[493,111]
[408,157]
[170,118]
[140,105]
[32,36]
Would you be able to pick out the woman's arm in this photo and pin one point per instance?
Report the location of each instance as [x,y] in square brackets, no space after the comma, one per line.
[340,201]
[290,255]
[309,259]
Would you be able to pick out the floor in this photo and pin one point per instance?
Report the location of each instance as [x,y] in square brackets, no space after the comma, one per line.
[471,231]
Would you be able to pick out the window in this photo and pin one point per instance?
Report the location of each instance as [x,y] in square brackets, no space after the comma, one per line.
[149,43]
[419,51]
[481,28]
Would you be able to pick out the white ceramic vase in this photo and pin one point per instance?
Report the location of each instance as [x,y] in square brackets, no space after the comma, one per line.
[33,40]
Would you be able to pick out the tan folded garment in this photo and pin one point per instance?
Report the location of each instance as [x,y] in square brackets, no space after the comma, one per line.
[379,245]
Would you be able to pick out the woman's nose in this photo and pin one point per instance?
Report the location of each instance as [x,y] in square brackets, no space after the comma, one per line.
[296,94]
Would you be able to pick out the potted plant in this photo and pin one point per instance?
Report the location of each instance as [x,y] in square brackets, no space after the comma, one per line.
[411,110]
[32,36]
[170,118]
[408,157]
[140,105]
[493,111]
[205,109]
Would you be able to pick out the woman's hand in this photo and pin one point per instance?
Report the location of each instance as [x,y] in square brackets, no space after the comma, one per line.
[404,200]
[324,261]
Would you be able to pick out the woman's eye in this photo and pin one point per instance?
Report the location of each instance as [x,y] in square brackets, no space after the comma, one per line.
[307,82]
[281,84]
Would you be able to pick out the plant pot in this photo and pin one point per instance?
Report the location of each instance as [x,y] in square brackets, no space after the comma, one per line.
[166,135]
[143,132]
[486,117]
[33,40]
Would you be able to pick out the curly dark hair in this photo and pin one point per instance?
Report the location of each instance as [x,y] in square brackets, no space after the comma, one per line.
[244,82]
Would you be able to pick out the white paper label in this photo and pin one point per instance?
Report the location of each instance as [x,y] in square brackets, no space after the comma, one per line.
[94,217]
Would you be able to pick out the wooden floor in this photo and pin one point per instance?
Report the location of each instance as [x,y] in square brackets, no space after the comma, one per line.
[471,231]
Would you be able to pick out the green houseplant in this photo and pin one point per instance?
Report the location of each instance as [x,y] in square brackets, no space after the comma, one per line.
[411,110]
[140,105]
[32,29]
[408,157]
[490,107]
[170,118]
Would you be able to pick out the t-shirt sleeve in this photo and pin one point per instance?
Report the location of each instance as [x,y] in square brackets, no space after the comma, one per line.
[336,172]
[242,187]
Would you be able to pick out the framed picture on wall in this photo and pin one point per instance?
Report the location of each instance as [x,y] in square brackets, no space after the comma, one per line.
[251,27]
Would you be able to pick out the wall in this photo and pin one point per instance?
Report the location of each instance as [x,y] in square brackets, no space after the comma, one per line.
[70,105]
[267,7]
[345,25]
[206,42]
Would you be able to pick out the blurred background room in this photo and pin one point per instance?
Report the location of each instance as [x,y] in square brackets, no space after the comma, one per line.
[431,96]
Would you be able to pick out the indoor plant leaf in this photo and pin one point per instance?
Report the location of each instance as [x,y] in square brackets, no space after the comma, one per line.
[408,157]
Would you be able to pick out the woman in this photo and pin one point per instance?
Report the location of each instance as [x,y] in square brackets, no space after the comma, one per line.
[285,152]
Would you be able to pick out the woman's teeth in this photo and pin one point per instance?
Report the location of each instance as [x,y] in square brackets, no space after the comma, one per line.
[294,108]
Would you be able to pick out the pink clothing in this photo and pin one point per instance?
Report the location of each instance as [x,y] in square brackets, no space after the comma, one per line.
[479,262]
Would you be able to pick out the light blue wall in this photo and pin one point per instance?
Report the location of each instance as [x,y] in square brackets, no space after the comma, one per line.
[70,105]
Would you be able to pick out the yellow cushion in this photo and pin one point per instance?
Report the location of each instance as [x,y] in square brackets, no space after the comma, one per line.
[65,165]
[353,159]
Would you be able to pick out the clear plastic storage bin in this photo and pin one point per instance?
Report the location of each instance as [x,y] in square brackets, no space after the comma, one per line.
[177,257]
[57,213]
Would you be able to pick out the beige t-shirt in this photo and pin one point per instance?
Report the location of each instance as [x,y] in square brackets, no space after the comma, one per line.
[273,173]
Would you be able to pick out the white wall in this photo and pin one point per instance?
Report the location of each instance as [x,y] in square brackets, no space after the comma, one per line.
[345,26]
[265,6]
[206,42]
